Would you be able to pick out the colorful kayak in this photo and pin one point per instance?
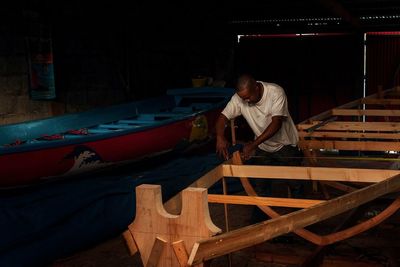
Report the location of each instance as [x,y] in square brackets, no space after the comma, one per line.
[75,143]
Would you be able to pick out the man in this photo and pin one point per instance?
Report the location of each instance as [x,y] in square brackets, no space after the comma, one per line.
[264,106]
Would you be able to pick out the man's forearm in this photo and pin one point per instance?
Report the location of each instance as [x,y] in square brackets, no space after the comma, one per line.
[220,126]
[270,131]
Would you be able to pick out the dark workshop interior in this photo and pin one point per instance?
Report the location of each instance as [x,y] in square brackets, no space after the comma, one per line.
[60,58]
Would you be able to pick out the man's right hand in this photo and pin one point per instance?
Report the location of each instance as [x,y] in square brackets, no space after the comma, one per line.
[222,148]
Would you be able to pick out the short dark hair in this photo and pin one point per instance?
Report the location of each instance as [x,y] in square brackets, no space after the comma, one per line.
[245,81]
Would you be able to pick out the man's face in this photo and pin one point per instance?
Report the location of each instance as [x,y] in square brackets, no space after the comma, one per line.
[249,95]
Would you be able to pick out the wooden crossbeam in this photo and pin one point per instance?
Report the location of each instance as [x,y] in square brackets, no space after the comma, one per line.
[130,242]
[156,251]
[180,252]
[270,201]
[260,232]
[366,112]
[308,173]
[349,145]
[368,135]
[354,126]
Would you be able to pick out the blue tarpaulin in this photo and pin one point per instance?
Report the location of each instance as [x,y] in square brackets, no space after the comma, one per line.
[55,220]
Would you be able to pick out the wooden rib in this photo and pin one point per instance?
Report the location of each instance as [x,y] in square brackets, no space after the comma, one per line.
[156,251]
[255,234]
[174,205]
[340,186]
[321,134]
[308,173]
[308,235]
[130,242]
[366,112]
[349,145]
[270,201]
[181,253]
[364,226]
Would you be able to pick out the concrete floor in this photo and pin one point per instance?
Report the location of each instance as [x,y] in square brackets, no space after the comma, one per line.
[376,247]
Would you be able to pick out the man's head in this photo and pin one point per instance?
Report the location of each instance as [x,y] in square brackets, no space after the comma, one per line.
[248,89]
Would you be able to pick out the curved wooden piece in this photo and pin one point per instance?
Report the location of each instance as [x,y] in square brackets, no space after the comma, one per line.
[315,238]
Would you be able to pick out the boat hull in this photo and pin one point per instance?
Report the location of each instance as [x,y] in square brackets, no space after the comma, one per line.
[28,167]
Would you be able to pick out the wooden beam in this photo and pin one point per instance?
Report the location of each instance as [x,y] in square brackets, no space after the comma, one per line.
[156,251]
[366,112]
[270,201]
[181,253]
[309,173]
[130,242]
[254,234]
[325,134]
[319,125]
[349,145]
[340,186]
[354,126]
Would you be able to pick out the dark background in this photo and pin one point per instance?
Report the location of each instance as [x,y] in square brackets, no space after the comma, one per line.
[112,52]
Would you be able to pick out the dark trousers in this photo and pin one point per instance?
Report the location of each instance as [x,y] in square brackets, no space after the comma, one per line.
[286,156]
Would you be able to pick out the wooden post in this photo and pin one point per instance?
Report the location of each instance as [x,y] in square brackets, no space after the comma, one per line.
[156,252]
[181,253]
[154,230]
[130,242]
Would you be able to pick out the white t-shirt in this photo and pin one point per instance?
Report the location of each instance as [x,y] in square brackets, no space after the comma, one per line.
[273,103]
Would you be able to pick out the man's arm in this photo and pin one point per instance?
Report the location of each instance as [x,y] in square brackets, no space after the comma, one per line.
[222,143]
[272,129]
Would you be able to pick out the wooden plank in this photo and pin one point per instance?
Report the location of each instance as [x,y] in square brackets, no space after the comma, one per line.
[340,186]
[270,201]
[180,252]
[354,126]
[174,204]
[156,251]
[349,145]
[366,112]
[322,134]
[130,242]
[309,173]
[254,234]
[322,123]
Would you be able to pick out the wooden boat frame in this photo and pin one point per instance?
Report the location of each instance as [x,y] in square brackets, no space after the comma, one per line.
[362,133]
[167,239]
[154,250]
